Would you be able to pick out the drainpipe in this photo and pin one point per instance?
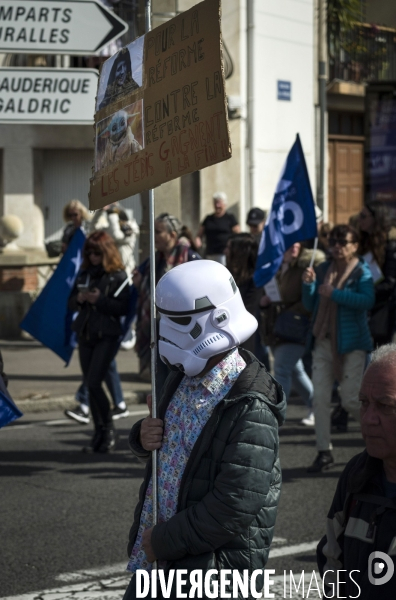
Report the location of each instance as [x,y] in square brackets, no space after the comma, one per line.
[250,104]
[322,76]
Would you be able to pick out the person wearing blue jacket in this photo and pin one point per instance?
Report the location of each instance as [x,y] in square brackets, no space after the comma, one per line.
[339,293]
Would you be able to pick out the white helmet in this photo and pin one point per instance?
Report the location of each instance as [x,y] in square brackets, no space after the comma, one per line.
[201,314]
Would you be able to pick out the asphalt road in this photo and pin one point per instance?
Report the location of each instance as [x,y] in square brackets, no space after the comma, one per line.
[65,516]
[35,372]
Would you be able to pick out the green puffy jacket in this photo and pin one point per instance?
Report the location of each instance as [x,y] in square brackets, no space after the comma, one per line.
[231,485]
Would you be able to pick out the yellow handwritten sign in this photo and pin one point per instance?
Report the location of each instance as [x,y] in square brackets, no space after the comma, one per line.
[161,107]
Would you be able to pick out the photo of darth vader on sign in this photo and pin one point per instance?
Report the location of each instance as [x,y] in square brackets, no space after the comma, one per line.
[121,74]
[119,136]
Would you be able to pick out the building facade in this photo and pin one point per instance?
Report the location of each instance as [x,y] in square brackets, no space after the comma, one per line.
[271,53]
[267,45]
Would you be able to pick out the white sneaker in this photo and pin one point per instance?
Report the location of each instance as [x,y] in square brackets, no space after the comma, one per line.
[309,421]
[78,414]
[130,343]
[119,413]
[127,345]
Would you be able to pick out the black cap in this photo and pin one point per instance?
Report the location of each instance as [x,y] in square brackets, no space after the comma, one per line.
[255,216]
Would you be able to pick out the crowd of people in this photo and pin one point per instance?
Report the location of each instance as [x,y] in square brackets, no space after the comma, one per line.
[321,328]
[325,311]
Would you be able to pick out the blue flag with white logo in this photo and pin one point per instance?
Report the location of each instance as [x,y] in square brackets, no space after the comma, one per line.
[49,319]
[291,219]
[8,410]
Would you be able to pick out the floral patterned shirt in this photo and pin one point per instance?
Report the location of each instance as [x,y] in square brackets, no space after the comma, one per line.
[187,414]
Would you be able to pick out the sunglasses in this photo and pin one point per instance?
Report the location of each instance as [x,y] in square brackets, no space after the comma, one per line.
[71,215]
[173,222]
[94,252]
[334,242]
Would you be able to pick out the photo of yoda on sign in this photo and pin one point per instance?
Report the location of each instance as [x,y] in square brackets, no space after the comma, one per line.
[119,136]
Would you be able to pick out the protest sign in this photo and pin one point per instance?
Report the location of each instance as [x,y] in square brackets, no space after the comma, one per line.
[161,107]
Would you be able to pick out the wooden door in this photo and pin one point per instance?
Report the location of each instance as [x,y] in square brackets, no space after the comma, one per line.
[345,180]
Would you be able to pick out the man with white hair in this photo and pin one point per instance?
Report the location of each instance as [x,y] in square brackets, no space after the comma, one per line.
[361,526]
[217,229]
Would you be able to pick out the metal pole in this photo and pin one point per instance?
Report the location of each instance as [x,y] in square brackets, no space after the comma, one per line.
[153,337]
[322,47]
[250,99]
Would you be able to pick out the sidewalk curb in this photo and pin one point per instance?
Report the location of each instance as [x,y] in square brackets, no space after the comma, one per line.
[36,405]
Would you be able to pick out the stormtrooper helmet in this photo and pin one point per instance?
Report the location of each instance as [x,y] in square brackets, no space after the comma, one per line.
[201,314]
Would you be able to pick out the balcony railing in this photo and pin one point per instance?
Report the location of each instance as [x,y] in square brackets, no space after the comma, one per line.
[364,53]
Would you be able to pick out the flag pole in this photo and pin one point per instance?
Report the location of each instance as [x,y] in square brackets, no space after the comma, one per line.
[153,336]
[313,253]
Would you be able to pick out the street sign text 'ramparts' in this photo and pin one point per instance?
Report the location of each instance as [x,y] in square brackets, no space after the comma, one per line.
[57,26]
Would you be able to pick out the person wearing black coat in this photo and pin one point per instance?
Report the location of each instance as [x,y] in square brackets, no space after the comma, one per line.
[243,428]
[219,474]
[101,297]
[361,523]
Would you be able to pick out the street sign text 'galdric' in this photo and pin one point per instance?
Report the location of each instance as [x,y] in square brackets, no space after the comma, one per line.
[47,95]
[57,26]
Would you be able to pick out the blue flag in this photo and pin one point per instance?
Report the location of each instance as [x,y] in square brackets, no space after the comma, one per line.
[49,319]
[292,217]
[8,410]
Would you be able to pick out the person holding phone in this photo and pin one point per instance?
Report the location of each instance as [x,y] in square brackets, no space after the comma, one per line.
[76,215]
[101,297]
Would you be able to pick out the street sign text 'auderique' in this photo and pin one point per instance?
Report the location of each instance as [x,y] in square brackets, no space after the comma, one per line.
[42,95]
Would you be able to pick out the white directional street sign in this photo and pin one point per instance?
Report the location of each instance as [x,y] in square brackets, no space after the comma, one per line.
[57,26]
[42,96]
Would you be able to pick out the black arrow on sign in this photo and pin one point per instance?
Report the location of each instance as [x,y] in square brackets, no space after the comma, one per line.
[118,27]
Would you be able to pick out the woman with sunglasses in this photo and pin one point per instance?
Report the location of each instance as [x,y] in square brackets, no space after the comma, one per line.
[101,297]
[378,247]
[339,293]
[76,216]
